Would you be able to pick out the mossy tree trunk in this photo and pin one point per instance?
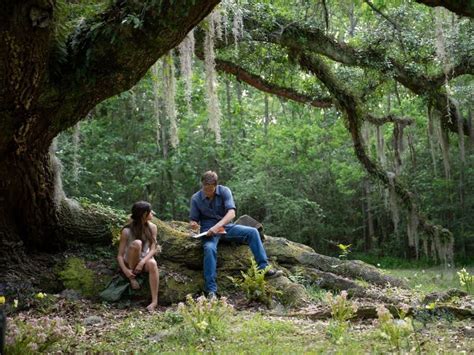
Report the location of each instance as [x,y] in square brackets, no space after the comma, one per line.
[48,84]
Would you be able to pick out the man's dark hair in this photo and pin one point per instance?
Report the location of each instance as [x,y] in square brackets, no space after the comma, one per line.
[209,178]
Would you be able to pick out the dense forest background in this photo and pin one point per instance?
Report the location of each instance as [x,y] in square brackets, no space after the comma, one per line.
[292,165]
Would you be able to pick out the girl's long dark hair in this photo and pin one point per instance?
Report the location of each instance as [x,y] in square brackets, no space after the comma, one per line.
[137,228]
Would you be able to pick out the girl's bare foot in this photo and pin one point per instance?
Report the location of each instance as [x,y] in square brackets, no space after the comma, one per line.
[134,284]
[151,307]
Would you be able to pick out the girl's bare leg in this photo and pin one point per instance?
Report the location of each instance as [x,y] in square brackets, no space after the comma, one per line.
[154,278]
[133,257]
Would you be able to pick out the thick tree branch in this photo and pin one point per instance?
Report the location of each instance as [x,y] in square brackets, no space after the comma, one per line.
[463,8]
[375,9]
[261,84]
[294,37]
[354,113]
[378,121]
[465,66]
[105,55]
[111,52]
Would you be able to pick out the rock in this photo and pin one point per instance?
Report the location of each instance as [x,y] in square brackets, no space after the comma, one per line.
[180,264]
[93,320]
[443,296]
[71,295]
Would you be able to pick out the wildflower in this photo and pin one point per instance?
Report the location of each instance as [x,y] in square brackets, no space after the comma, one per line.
[2,299]
[15,303]
[40,295]
[202,325]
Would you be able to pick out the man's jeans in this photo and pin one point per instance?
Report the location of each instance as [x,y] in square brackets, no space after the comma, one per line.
[235,233]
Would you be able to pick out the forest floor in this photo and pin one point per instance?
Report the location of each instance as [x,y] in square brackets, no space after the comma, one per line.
[66,323]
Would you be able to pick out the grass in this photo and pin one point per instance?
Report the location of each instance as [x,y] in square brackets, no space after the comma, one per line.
[245,332]
[251,333]
[430,279]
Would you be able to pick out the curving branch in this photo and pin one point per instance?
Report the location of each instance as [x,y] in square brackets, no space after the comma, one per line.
[465,66]
[292,36]
[50,86]
[462,8]
[351,105]
[378,11]
[261,84]
[378,121]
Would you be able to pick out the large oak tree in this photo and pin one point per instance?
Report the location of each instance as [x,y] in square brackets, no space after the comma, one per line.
[49,81]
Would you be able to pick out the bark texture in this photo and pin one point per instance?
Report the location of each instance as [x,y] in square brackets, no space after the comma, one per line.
[48,84]
[463,8]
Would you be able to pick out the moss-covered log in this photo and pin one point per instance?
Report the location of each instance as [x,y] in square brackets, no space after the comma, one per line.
[181,267]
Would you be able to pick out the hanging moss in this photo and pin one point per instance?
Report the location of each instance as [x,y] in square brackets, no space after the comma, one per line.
[412,231]
[169,90]
[431,139]
[186,52]
[380,146]
[57,168]
[444,144]
[75,158]
[394,209]
[155,70]
[213,108]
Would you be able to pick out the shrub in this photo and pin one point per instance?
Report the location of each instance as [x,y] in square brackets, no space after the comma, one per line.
[341,308]
[34,336]
[341,311]
[394,330]
[205,317]
[465,279]
[78,277]
[254,285]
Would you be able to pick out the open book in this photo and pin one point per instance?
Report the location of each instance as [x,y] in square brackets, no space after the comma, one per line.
[221,231]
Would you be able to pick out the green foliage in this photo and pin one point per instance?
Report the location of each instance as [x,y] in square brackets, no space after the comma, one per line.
[34,337]
[207,317]
[345,250]
[297,168]
[430,279]
[466,280]
[254,285]
[78,277]
[342,310]
[396,331]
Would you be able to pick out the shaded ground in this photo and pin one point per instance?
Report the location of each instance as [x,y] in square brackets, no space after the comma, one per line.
[78,326]
[64,321]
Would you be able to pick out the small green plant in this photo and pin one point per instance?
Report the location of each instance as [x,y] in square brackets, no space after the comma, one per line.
[342,310]
[345,250]
[44,303]
[254,285]
[172,318]
[394,330]
[78,277]
[33,336]
[207,317]
[466,280]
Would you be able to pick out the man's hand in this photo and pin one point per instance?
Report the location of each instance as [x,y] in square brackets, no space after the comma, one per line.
[215,230]
[129,274]
[194,225]
[139,268]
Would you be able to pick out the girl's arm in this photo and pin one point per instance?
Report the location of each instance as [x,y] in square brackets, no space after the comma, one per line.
[151,251]
[121,252]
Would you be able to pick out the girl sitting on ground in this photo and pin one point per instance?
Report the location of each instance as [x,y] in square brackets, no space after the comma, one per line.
[137,249]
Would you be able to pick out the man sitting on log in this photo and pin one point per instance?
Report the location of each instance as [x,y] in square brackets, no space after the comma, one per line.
[213,208]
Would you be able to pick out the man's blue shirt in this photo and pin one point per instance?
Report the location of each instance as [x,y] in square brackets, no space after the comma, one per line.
[209,212]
